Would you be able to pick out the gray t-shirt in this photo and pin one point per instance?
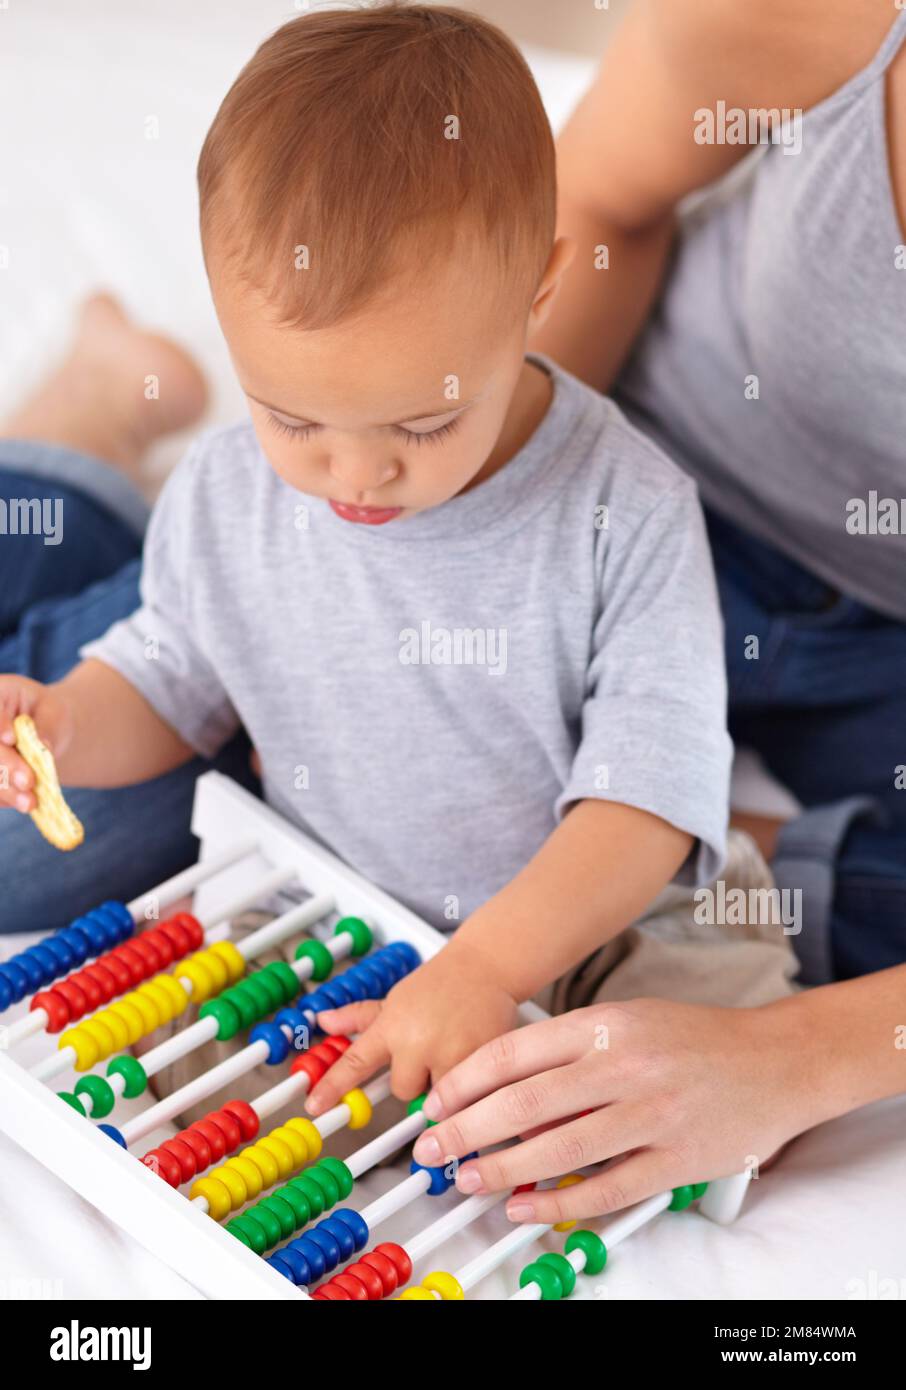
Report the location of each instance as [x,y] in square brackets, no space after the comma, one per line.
[429,696]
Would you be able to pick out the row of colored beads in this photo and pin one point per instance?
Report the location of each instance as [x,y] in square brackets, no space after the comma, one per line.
[375,1276]
[369,979]
[292,1206]
[119,970]
[281,1152]
[99,930]
[154,1003]
[312,1255]
[206,1141]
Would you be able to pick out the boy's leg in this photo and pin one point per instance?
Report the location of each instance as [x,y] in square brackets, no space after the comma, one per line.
[824,703]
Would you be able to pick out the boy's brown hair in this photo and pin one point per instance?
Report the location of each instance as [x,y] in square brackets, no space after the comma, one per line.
[361,145]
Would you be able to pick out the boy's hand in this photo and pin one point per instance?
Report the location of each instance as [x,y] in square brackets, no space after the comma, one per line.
[54,722]
[429,1022]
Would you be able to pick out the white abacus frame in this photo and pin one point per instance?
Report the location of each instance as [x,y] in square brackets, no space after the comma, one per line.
[159,1217]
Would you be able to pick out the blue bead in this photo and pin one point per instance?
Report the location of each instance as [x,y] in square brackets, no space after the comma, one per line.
[278,1263]
[114,1134]
[440,1182]
[117,919]
[407,954]
[323,1239]
[6,990]
[341,1234]
[334,993]
[355,1223]
[311,1253]
[276,1040]
[95,933]
[78,942]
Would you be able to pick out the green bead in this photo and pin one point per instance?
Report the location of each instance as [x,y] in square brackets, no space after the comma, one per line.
[268,1228]
[103,1096]
[263,992]
[72,1100]
[132,1072]
[698,1190]
[682,1198]
[361,933]
[285,980]
[327,1183]
[283,1212]
[341,1174]
[298,1201]
[547,1279]
[564,1270]
[226,1014]
[320,957]
[250,1232]
[592,1247]
[416,1105]
[312,1191]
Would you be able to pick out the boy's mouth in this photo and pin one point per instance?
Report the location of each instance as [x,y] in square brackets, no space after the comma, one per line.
[364,516]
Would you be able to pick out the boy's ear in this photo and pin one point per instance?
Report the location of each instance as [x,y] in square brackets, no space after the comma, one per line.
[561,258]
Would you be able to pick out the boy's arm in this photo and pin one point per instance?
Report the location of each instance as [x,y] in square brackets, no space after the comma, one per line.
[115,736]
[593,876]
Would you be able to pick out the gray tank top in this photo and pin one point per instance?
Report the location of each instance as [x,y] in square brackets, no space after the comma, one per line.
[786,283]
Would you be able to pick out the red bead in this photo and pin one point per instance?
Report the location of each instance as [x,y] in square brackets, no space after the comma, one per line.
[74,995]
[202,1154]
[189,924]
[55,1006]
[229,1127]
[121,973]
[133,962]
[214,1136]
[361,1283]
[247,1117]
[151,954]
[179,939]
[331,1293]
[313,1067]
[184,1156]
[397,1256]
[526,1187]
[162,1162]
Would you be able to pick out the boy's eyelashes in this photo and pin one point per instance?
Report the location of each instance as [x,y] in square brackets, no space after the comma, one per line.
[410,436]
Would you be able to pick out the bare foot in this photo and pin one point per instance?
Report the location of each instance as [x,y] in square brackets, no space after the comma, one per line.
[118,390]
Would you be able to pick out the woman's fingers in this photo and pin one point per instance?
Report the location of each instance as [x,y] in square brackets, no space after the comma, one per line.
[512,1057]
[577,1143]
[631,1180]
[525,1105]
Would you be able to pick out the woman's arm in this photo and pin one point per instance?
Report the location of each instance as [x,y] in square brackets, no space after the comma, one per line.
[628,155]
[676,1093]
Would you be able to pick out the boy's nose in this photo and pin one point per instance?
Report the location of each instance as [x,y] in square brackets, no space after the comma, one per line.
[361,474]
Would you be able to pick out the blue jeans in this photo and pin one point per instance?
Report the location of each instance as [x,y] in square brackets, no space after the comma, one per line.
[54,598]
[824,704]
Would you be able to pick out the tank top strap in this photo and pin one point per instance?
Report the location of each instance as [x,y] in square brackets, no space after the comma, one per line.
[890,47]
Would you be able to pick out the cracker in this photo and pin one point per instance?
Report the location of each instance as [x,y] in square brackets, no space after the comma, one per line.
[52,816]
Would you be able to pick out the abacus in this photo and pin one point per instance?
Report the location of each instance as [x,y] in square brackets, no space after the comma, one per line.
[240,1210]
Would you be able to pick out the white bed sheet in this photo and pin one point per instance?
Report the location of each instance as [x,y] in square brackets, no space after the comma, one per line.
[86,200]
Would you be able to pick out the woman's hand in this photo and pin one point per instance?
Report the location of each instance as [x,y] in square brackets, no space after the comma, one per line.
[674,1093]
[429,1021]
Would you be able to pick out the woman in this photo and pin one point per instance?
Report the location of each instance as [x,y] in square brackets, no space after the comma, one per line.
[773,368]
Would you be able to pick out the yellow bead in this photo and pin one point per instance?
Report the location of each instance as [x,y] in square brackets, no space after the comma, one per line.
[359,1108]
[175,992]
[415,1294]
[118,1027]
[287,1148]
[444,1284]
[228,953]
[147,1008]
[196,971]
[216,1194]
[217,966]
[87,1052]
[569,1181]
[310,1135]
[265,1160]
[132,1018]
[162,998]
[249,1172]
[234,1183]
[97,1029]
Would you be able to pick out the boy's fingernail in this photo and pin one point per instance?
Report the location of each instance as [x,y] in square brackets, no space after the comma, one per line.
[427,1150]
[314,1107]
[21,780]
[520,1211]
[432,1108]
[468,1180]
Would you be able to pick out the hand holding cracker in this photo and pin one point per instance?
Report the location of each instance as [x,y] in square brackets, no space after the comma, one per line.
[28,778]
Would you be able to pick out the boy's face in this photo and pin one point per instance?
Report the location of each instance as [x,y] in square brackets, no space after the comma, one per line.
[386,414]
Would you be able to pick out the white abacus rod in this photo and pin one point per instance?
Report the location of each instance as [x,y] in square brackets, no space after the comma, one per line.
[450,1224]
[193,1091]
[296,919]
[188,879]
[385,1144]
[619,1228]
[37,1019]
[331,1121]
[488,1260]
[223,916]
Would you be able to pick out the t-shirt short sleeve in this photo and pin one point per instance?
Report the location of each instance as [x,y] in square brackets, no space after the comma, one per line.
[158,648]
[653,730]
